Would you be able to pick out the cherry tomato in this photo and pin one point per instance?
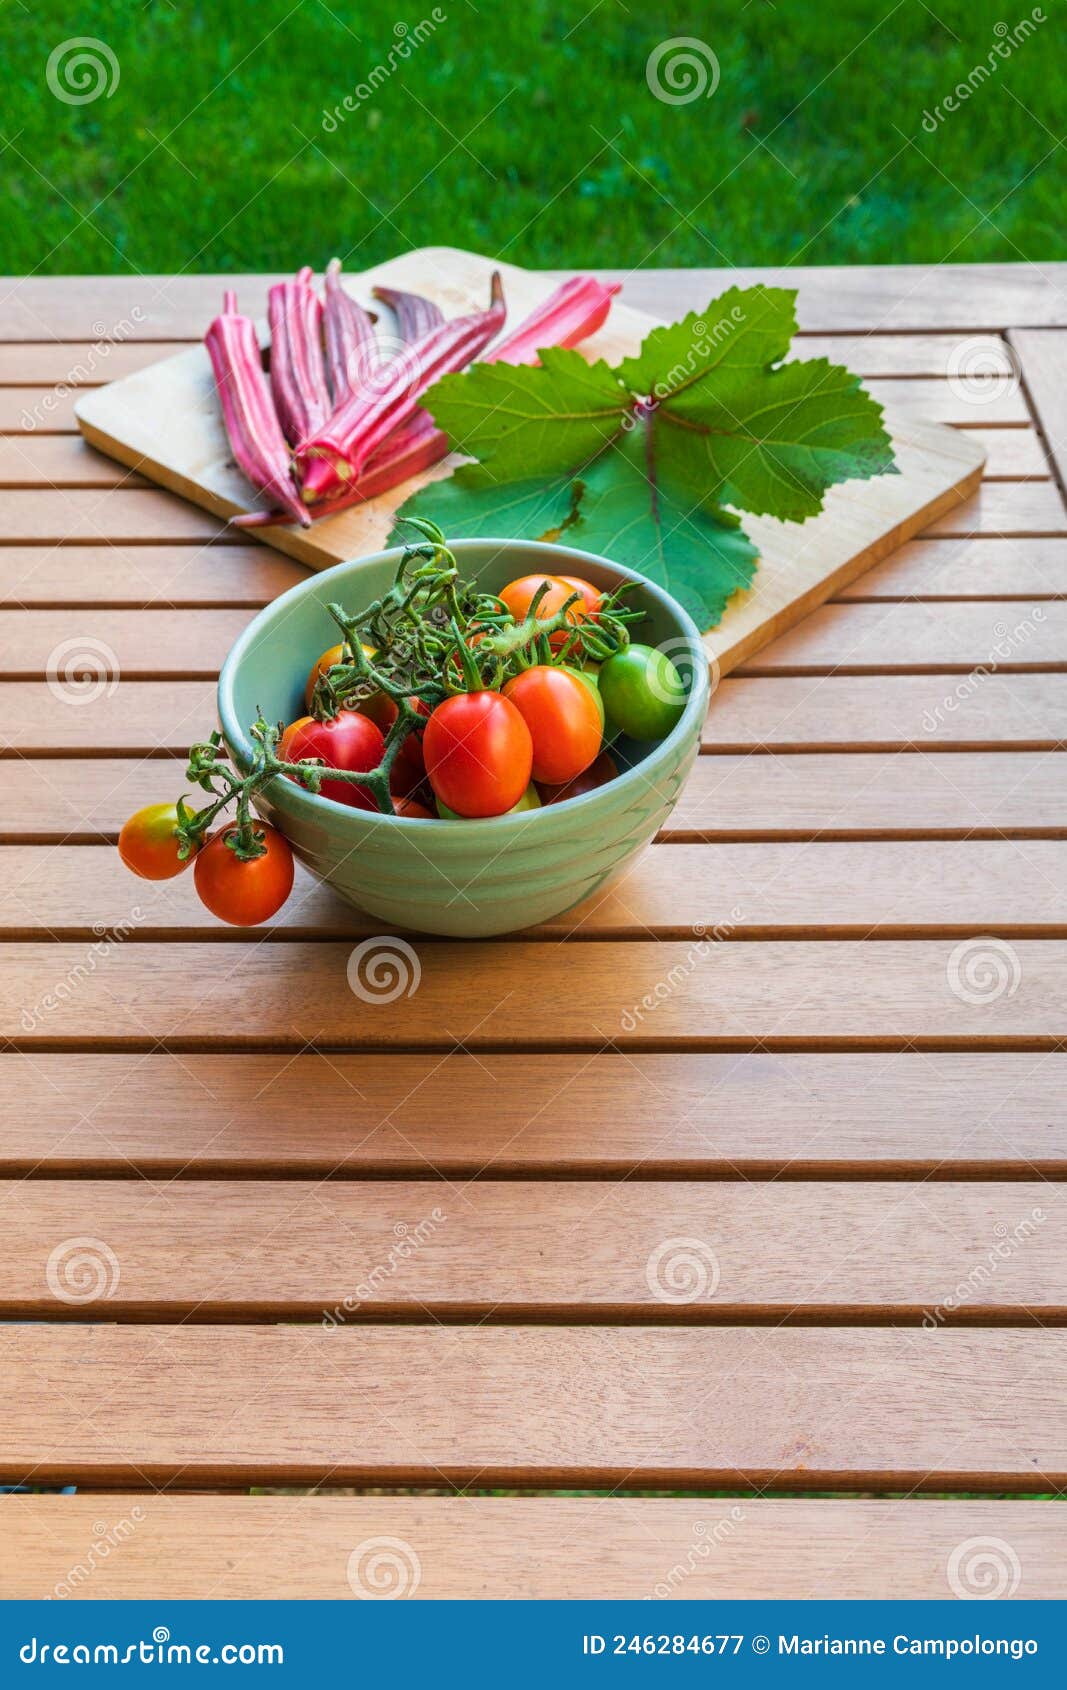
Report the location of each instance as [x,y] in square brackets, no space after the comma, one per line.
[335,654]
[644,695]
[530,800]
[563,717]
[409,766]
[592,597]
[413,810]
[518,596]
[478,753]
[347,741]
[244,893]
[597,774]
[148,843]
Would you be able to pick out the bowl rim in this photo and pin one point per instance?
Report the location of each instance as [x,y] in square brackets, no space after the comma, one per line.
[312,804]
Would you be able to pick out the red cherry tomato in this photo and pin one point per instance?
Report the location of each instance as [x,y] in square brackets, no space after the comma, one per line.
[518,596]
[347,741]
[409,766]
[597,774]
[561,713]
[478,753]
[244,893]
[148,843]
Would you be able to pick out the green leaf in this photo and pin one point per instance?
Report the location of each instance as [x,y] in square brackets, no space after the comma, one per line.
[769,439]
[635,510]
[744,329]
[519,421]
[514,510]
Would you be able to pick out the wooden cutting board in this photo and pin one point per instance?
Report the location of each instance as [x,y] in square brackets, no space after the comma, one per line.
[165,422]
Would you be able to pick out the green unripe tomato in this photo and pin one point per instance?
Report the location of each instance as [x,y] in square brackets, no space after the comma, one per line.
[644,695]
[530,800]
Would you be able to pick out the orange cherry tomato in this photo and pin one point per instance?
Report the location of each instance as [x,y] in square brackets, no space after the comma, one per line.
[244,893]
[335,654]
[148,843]
[518,595]
[565,724]
[592,597]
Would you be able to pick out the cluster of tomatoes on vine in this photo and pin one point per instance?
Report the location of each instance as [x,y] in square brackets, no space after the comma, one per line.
[440,702]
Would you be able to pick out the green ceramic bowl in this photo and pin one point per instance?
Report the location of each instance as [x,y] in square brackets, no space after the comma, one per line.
[466,879]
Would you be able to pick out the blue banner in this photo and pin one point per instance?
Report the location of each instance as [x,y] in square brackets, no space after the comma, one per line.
[598,1645]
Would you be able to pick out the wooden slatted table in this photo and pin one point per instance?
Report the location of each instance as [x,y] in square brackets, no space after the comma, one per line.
[743,1180]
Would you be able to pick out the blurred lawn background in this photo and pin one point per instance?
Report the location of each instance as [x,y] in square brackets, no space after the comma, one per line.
[528,130]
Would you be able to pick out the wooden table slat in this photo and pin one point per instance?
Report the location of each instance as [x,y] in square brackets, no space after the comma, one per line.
[837,298]
[860,1407]
[838,712]
[939,637]
[907,888]
[144,576]
[532,1548]
[921,794]
[506,995]
[980,568]
[628,1250]
[1043,355]
[717,1116]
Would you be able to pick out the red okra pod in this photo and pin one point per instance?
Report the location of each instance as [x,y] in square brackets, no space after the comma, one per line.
[415,316]
[297,371]
[338,453]
[252,424]
[413,447]
[351,345]
[576,310]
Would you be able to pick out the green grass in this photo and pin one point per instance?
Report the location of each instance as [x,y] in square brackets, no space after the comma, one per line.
[527,129]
